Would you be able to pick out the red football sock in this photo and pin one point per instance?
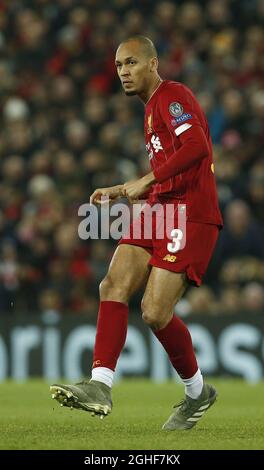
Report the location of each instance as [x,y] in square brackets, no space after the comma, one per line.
[177,342]
[111,333]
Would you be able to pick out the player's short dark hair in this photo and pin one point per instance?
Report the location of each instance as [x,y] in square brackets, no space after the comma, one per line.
[146,44]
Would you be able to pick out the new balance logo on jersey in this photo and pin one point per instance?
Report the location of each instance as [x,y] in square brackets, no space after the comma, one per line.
[156,144]
[170,258]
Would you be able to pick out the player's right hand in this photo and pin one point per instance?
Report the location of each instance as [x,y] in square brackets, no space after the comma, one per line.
[104,195]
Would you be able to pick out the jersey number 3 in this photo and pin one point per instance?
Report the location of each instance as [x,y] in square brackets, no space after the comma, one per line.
[176,235]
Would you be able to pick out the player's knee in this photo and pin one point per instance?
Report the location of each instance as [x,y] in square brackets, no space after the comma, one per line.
[111,289]
[153,320]
[106,286]
[150,316]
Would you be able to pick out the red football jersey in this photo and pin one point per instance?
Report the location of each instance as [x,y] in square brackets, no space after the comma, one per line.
[171,114]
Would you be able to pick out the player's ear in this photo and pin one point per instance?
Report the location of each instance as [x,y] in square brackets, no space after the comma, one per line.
[153,64]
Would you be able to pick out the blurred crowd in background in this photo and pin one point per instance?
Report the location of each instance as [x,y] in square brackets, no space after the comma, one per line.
[67,128]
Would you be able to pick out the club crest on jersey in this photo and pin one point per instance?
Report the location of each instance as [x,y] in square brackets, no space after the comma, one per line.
[175,109]
[149,129]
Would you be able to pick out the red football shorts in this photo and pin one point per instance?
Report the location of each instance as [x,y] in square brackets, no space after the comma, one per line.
[191,256]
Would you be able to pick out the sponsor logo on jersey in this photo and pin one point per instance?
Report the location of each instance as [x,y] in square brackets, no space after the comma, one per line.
[149,150]
[181,119]
[156,143]
[170,258]
[175,109]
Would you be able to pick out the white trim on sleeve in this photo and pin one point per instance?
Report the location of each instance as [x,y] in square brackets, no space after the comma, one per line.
[182,128]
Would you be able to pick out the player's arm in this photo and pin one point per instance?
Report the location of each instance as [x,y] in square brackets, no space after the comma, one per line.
[103,195]
[177,110]
[182,121]
[194,147]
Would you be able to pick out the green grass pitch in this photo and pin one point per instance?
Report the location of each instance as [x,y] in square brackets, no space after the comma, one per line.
[30,419]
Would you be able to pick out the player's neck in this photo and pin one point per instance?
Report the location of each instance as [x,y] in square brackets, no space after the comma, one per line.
[151,90]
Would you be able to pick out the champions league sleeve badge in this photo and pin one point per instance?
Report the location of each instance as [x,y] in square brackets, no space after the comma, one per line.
[175,109]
